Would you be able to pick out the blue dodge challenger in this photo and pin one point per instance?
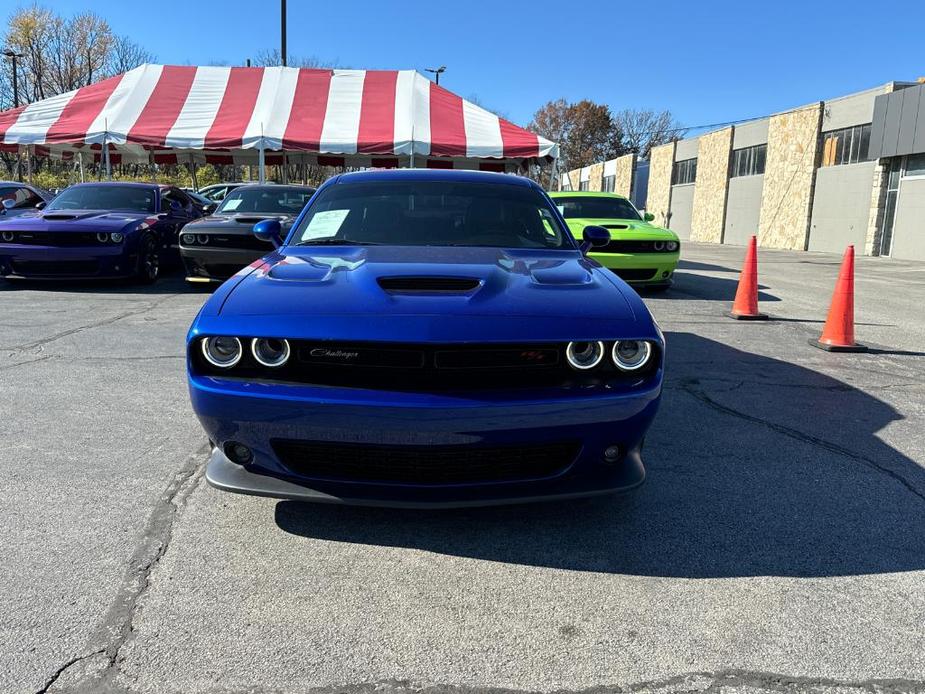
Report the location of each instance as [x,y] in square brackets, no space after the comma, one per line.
[426,338]
[95,231]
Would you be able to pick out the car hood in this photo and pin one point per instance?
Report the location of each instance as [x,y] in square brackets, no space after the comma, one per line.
[78,220]
[242,223]
[348,293]
[622,228]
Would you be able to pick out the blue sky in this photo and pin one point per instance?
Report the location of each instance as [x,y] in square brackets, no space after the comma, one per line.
[706,61]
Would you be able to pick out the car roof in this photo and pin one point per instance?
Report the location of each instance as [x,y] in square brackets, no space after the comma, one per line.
[442,175]
[127,184]
[584,194]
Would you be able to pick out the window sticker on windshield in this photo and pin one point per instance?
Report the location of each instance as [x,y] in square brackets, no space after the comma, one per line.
[324,224]
[232,204]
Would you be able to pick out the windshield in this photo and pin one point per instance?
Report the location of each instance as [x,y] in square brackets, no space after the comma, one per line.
[431,213]
[105,197]
[581,207]
[270,199]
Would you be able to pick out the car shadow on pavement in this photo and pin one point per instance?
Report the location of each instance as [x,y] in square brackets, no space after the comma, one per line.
[704,267]
[172,282]
[705,288]
[756,467]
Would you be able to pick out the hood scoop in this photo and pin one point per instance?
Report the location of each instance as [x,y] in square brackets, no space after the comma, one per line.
[428,285]
[59,216]
[243,219]
[616,226]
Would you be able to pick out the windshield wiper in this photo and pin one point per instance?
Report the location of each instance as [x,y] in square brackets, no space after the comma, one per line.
[336,242]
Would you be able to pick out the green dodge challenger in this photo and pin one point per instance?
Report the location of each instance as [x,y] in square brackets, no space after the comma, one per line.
[639,252]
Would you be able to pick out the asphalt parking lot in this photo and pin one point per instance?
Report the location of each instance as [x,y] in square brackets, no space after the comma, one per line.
[777,545]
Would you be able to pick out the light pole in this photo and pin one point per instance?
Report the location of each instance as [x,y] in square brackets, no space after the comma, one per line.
[282,29]
[436,71]
[14,56]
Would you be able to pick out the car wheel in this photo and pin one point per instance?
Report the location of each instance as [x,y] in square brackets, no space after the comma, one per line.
[149,260]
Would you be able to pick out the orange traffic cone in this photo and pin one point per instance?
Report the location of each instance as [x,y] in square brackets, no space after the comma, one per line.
[745,306]
[838,332]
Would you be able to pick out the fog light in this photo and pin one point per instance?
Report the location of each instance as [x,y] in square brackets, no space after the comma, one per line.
[238,453]
[612,454]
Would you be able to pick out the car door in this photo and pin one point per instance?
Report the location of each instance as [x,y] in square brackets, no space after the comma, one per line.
[177,210]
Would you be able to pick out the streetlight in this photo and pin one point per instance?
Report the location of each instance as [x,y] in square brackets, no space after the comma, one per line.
[436,71]
[14,56]
[282,30]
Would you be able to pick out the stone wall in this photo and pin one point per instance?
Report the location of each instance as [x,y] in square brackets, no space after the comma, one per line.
[626,166]
[596,177]
[878,198]
[658,200]
[709,214]
[574,176]
[789,178]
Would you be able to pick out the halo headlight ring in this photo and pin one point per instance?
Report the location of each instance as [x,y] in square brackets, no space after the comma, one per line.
[116,237]
[188,239]
[584,355]
[102,237]
[213,355]
[671,246]
[263,351]
[622,362]
[202,239]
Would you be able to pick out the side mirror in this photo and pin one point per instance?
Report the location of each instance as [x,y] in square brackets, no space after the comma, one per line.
[9,204]
[41,205]
[594,236]
[210,208]
[649,217]
[269,230]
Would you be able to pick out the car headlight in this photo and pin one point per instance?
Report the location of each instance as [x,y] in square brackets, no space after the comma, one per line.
[189,239]
[671,246]
[116,237]
[584,355]
[659,245]
[270,351]
[102,236]
[223,352]
[202,238]
[631,355]
[8,236]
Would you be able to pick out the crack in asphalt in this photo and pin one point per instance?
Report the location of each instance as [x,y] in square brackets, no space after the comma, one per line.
[7,367]
[688,386]
[117,626]
[89,326]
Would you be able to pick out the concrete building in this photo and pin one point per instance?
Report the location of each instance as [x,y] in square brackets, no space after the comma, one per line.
[817,177]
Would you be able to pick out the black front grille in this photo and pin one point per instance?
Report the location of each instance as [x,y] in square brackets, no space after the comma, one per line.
[428,284]
[425,465]
[54,238]
[426,368]
[222,270]
[247,242]
[634,274]
[63,268]
[631,246]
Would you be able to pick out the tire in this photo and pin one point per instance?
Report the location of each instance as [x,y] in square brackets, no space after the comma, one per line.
[149,260]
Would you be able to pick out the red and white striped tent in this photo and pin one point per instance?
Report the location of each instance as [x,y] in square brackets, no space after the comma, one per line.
[246,115]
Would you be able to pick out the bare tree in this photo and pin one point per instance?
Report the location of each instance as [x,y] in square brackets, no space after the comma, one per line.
[127,55]
[641,130]
[585,131]
[274,57]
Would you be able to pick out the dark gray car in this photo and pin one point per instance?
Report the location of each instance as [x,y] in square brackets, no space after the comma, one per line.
[17,198]
[216,247]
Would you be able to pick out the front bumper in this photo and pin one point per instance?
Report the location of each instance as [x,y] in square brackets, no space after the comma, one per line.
[216,264]
[257,414]
[20,261]
[640,268]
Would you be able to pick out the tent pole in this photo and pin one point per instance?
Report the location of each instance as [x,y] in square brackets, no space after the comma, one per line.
[552,175]
[80,165]
[261,161]
[29,164]
[284,178]
[192,172]
[106,160]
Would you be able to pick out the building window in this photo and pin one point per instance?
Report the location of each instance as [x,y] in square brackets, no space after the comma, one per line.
[749,161]
[845,146]
[609,184]
[584,185]
[915,165]
[566,183]
[684,172]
